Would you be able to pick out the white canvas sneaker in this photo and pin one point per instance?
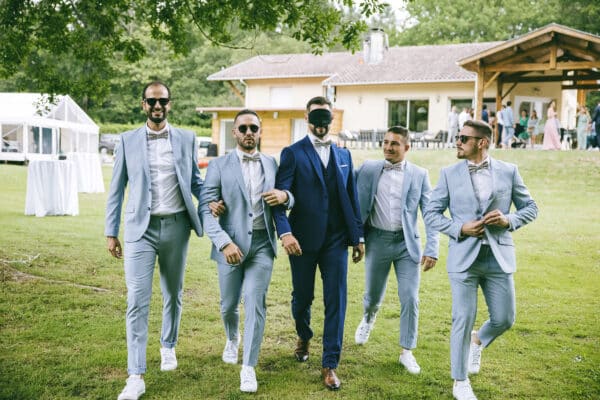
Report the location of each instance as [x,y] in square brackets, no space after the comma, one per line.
[168,360]
[248,382]
[462,390]
[361,336]
[474,358]
[230,352]
[134,388]
[410,363]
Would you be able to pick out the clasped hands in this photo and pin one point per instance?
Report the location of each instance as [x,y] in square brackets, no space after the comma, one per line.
[476,228]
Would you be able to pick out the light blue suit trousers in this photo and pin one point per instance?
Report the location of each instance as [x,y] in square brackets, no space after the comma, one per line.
[167,238]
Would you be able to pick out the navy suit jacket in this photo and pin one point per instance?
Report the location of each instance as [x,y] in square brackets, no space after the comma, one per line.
[301,173]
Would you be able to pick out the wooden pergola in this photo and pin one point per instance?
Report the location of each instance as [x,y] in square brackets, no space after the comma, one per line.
[554,53]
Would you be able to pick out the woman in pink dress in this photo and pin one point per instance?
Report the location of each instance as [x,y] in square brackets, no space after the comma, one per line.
[551,135]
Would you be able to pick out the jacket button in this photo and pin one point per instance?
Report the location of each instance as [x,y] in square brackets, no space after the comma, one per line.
[249,232]
[250,215]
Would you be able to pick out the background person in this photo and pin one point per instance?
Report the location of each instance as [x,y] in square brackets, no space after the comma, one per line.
[480,249]
[159,164]
[551,129]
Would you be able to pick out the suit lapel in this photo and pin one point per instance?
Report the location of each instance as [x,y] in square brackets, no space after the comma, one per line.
[142,143]
[465,176]
[493,174]
[377,171]
[176,145]
[268,172]
[408,171]
[314,158]
[236,168]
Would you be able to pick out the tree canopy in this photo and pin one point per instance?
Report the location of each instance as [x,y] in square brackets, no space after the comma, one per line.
[73,45]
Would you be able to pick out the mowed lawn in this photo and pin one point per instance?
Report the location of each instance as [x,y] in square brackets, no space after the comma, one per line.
[62,306]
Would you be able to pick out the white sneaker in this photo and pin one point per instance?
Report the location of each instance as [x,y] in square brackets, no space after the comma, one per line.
[248,379]
[230,352]
[475,349]
[410,363]
[364,330]
[134,388]
[462,390]
[168,361]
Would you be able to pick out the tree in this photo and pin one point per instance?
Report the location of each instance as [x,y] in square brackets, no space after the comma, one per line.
[464,21]
[71,46]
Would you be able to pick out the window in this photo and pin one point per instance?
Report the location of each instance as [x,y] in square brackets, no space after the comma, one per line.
[413,114]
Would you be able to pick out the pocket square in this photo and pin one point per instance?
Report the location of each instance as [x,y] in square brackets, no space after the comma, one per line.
[344,166]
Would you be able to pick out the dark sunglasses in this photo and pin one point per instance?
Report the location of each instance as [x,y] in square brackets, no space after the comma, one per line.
[244,128]
[152,101]
[465,138]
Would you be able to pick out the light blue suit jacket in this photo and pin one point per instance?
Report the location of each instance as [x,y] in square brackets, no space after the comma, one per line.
[225,181]
[455,192]
[415,193]
[131,167]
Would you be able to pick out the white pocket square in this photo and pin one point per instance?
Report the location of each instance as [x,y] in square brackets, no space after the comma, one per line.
[344,166]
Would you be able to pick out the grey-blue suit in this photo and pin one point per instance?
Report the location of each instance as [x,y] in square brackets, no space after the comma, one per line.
[225,181]
[470,263]
[403,248]
[147,236]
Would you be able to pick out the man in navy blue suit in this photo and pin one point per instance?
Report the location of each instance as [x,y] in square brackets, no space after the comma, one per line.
[324,221]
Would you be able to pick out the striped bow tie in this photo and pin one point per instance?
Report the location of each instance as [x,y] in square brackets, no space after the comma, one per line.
[322,142]
[154,136]
[392,167]
[475,168]
[248,158]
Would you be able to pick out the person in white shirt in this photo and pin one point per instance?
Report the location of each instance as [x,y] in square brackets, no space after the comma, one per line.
[159,164]
[390,192]
[463,117]
[453,126]
[244,238]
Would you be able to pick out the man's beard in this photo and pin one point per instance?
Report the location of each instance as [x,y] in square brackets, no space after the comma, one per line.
[157,120]
[315,131]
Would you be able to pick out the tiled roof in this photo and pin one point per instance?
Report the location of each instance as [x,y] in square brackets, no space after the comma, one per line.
[432,63]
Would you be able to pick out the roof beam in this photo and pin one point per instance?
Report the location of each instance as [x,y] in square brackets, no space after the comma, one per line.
[586,87]
[570,65]
[236,91]
[552,78]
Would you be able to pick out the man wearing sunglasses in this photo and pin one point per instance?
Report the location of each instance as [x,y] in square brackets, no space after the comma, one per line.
[324,221]
[479,192]
[244,239]
[159,164]
[390,193]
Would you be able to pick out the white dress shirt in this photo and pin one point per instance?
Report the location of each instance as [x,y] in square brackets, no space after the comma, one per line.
[166,194]
[254,178]
[387,205]
[482,186]
[322,151]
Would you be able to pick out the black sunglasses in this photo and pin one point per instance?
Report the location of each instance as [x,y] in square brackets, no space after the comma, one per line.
[152,101]
[244,128]
[465,138]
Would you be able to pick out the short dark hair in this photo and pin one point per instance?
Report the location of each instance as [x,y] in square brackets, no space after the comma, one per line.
[244,112]
[484,107]
[320,100]
[481,127]
[155,83]
[399,130]
[509,103]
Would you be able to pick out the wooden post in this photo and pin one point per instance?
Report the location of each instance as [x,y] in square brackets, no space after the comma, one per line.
[498,106]
[479,93]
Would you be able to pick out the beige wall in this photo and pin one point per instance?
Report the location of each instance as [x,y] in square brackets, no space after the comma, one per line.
[258,92]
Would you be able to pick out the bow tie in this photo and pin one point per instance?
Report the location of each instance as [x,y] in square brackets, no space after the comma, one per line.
[154,136]
[248,158]
[322,142]
[392,167]
[475,168]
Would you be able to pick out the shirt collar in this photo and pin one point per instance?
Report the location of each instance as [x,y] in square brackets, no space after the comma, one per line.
[487,158]
[313,138]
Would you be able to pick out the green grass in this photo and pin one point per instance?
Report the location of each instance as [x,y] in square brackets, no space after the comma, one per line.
[63,341]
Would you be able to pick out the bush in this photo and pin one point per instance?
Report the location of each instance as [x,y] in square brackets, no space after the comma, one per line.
[120,128]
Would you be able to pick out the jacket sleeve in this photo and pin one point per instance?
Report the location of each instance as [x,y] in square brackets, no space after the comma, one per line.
[116,192]
[211,191]
[526,208]
[434,211]
[432,246]
[284,180]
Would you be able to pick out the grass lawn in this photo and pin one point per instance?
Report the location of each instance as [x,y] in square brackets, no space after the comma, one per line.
[61,338]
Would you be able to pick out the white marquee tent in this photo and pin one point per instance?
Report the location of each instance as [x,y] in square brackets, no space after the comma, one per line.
[35,128]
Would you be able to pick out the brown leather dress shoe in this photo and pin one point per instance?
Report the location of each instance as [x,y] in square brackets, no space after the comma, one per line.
[330,379]
[301,351]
